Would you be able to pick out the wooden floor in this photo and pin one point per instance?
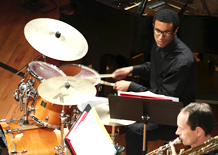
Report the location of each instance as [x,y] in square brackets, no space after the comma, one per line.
[16,52]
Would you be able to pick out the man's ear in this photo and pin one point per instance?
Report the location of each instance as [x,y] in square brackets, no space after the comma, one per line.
[199,131]
[176,30]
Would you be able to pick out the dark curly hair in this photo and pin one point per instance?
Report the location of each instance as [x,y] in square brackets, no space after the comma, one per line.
[167,16]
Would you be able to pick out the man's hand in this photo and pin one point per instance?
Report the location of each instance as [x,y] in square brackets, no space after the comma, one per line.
[173,149]
[122,73]
[121,85]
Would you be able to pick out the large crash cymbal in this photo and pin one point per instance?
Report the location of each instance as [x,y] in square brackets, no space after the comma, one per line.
[66,90]
[104,114]
[55,39]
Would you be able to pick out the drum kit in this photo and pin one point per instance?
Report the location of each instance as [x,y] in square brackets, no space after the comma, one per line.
[48,94]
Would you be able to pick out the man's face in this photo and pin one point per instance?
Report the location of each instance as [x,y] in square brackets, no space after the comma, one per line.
[160,39]
[184,131]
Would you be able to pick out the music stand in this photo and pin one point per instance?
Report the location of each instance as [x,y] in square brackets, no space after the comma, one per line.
[144,110]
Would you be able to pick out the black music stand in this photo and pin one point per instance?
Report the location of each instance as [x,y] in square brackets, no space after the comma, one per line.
[144,110]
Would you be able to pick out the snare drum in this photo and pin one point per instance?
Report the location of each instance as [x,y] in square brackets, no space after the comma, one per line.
[40,71]
[34,141]
[37,72]
[80,71]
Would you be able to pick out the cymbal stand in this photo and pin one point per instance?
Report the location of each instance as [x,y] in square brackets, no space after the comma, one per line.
[23,107]
[61,149]
[25,121]
[75,115]
[23,94]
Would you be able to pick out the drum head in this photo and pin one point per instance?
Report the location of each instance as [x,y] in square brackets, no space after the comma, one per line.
[42,70]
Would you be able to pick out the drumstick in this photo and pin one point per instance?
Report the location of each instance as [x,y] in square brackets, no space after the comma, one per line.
[102,76]
[99,76]
[106,83]
[106,75]
[99,81]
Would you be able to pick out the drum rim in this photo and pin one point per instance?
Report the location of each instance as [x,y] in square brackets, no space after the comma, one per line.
[41,79]
[86,67]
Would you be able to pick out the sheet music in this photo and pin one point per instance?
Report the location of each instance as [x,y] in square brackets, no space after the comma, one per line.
[89,138]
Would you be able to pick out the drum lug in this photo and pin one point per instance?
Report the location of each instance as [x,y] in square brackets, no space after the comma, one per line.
[26,72]
[10,131]
[31,82]
[16,95]
[33,93]
[11,120]
[60,149]
[31,109]
[46,119]
[16,152]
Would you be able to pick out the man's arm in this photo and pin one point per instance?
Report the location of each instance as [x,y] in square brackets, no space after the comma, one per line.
[171,85]
[122,73]
[123,85]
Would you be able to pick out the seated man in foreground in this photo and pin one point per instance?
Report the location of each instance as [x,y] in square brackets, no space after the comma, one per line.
[195,124]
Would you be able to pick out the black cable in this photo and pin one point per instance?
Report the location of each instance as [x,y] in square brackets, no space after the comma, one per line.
[13,70]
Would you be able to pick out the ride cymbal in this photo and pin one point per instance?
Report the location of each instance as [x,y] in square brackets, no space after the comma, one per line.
[66,90]
[56,39]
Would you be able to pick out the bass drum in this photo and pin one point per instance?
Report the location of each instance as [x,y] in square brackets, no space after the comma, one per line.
[32,141]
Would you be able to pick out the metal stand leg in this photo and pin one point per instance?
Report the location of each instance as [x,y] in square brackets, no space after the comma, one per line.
[113,133]
[144,139]
[61,149]
[23,107]
[145,118]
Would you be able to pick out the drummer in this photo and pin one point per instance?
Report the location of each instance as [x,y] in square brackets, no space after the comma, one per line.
[171,72]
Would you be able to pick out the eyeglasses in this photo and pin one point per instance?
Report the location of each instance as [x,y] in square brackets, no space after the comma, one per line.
[164,33]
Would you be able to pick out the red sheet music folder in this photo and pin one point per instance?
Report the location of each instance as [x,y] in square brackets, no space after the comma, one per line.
[80,119]
[89,136]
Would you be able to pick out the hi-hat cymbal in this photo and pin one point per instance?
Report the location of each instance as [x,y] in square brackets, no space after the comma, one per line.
[104,114]
[66,90]
[56,39]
